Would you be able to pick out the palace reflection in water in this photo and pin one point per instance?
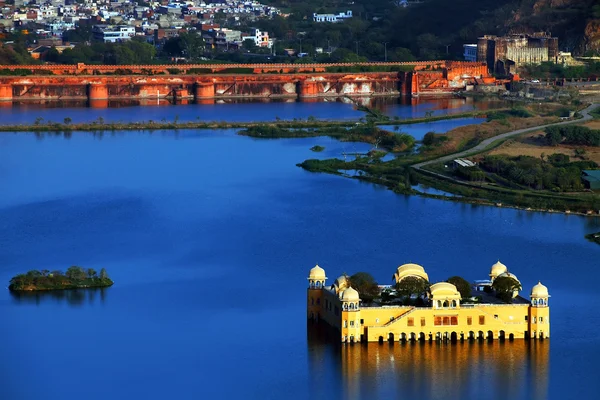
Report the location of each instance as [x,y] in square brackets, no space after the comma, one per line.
[436,370]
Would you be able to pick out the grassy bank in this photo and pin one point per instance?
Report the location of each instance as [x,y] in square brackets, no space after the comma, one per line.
[365,132]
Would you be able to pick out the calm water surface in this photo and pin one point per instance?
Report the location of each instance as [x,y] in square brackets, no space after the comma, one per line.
[235,111]
[209,237]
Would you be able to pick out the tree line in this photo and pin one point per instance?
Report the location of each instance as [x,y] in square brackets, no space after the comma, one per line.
[554,173]
[572,134]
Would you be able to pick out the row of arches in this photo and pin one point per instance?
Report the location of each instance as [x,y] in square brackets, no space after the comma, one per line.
[350,306]
[316,284]
[539,302]
[446,336]
[447,304]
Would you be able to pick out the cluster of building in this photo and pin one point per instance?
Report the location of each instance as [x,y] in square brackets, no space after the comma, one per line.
[120,20]
[444,315]
[506,54]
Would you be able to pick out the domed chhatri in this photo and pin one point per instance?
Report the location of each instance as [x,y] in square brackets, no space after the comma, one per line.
[442,292]
[316,277]
[350,294]
[539,291]
[497,269]
[317,273]
[440,314]
[410,269]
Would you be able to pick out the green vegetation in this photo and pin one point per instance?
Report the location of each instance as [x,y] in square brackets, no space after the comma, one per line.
[518,112]
[365,285]
[572,134]
[367,132]
[595,113]
[75,277]
[556,173]
[505,286]
[593,237]
[412,286]
[462,285]
[549,70]
[432,139]
[317,148]
[135,51]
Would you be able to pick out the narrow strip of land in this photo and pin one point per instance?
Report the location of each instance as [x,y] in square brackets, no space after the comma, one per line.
[487,143]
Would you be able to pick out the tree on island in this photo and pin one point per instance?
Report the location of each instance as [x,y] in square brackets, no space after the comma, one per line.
[366,286]
[412,286]
[462,285]
[75,273]
[75,277]
[505,287]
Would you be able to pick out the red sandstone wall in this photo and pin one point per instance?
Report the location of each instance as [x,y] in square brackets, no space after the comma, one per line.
[77,81]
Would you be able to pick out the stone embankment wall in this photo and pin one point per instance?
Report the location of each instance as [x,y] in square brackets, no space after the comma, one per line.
[98,83]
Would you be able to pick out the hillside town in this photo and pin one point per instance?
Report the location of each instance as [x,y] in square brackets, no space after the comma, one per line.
[113,21]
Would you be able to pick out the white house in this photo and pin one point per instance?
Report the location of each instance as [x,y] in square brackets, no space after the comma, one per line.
[332,17]
[261,39]
[113,34]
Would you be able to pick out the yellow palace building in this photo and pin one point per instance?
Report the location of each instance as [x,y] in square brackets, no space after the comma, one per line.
[443,317]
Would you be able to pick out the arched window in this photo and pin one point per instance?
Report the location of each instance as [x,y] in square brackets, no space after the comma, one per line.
[318,301]
[439,304]
[453,303]
[445,303]
[535,302]
[318,284]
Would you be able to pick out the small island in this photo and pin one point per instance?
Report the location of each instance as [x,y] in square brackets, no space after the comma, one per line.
[74,278]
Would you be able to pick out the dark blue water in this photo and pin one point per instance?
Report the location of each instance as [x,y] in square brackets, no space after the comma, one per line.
[209,237]
[418,131]
[243,111]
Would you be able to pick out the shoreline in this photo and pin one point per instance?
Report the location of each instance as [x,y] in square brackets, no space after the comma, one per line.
[66,287]
[95,126]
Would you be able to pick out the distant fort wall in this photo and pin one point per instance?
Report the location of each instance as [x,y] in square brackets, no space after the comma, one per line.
[98,83]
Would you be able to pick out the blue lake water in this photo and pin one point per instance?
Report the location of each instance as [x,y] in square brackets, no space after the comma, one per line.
[209,237]
[418,131]
[242,111]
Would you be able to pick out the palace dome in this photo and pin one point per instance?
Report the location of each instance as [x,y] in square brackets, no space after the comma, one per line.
[539,290]
[444,291]
[498,269]
[350,294]
[410,269]
[341,283]
[317,273]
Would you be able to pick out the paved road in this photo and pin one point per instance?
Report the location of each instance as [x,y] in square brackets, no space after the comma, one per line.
[481,146]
